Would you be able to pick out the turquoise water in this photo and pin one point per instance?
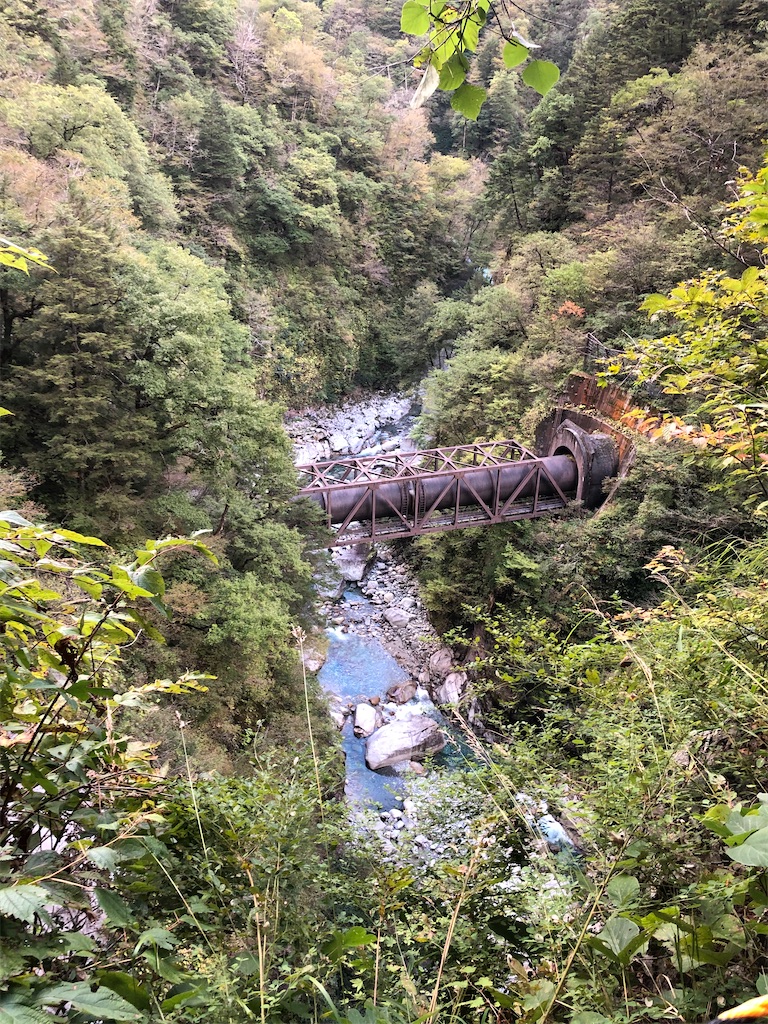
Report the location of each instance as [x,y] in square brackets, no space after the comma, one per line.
[357,668]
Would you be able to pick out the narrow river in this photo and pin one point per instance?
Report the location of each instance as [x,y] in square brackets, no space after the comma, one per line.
[365,657]
[358,668]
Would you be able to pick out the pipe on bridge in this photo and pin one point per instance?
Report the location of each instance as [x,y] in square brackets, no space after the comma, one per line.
[445,490]
[574,470]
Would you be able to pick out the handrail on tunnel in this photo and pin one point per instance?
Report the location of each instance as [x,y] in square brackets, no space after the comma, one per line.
[410,494]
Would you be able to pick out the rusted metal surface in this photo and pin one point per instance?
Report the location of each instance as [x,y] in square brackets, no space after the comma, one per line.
[410,494]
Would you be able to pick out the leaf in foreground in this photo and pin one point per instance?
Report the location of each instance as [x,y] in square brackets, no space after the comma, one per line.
[101,1003]
[22,901]
[541,75]
[467,100]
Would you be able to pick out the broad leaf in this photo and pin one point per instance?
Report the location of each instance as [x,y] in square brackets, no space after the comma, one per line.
[541,75]
[127,987]
[9,516]
[341,942]
[467,100]
[103,857]
[453,73]
[753,851]
[622,891]
[414,20]
[23,901]
[514,54]
[103,1003]
[78,538]
[156,937]
[13,1010]
[115,908]
[11,962]
[619,939]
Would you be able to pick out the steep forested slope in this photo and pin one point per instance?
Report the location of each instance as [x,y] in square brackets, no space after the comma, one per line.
[240,209]
[621,658]
[236,211]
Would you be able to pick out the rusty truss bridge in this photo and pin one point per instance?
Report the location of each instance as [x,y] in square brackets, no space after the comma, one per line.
[410,494]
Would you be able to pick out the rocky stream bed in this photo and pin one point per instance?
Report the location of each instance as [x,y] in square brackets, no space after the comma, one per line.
[385,669]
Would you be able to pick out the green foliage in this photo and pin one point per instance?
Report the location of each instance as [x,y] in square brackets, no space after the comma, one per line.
[78,819]
[237,213]
[452,35]
[716,362]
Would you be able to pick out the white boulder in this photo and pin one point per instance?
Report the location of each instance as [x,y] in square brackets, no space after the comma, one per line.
[410,739]
[365,719]
[452,688]
[353,561]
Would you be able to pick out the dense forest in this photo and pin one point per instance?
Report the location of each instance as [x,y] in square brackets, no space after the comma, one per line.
[214,211]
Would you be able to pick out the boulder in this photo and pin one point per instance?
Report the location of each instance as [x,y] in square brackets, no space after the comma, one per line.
[411,739]
[338,443]
[401,693]
[452,688]
[398,618]
[338,719]
[314,656]
[441,662]
[353,561]
[365,719]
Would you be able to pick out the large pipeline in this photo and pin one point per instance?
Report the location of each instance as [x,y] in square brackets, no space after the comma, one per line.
[574,470]
[440,490]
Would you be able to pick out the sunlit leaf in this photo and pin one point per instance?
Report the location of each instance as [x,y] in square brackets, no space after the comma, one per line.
[541,75]
[514,54]
[414,19]
[467,100]
[453,73]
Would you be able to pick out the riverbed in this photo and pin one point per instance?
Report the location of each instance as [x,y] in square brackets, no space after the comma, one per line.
[360,668]
[379,635]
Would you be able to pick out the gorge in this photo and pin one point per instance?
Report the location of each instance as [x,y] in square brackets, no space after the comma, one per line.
[214,211]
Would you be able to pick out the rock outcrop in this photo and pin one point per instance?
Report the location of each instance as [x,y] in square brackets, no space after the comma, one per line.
[441,663]
[452,689]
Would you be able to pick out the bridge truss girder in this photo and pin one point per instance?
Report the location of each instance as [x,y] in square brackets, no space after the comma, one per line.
[411,494]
